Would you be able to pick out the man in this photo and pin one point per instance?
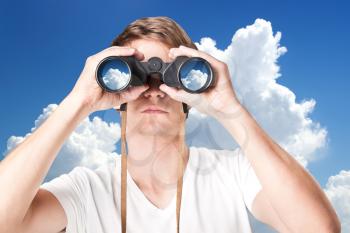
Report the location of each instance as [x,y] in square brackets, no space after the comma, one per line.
[262,176]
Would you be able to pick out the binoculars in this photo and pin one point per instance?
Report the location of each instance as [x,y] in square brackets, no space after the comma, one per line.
[117,73]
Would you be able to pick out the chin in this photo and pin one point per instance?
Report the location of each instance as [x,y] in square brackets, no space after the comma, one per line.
[151,124]
[156,127]
[153,130]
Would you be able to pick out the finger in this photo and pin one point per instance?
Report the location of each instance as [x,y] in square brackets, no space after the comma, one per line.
[133,92]
[120,51]
[176,94]
[126,51]
[114,50]
[130,94]
[186,51]
[138,54]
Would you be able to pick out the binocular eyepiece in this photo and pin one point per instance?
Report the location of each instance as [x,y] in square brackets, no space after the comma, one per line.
[117,73]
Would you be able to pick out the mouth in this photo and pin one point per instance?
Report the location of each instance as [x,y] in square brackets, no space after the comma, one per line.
[154,110]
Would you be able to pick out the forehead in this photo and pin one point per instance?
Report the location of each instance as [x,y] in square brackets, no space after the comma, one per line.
[151,48]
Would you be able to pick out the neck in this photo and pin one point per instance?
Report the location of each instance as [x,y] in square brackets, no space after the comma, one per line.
[152,160]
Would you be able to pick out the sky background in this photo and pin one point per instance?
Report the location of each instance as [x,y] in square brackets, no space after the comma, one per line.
[44,44]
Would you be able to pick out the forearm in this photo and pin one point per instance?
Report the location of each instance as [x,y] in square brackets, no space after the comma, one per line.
[23,170]
[292,191]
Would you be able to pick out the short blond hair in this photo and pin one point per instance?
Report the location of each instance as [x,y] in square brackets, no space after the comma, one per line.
[161,28]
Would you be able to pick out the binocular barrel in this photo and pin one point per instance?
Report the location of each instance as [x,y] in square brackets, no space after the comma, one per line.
[117,73]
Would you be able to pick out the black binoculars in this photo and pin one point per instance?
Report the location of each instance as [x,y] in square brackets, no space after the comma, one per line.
[117,73]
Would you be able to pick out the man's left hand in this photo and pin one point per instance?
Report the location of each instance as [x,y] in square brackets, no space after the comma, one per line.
[219,100]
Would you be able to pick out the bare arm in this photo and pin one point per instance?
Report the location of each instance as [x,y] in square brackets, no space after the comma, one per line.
[23,170]
[290,200]
[25,208]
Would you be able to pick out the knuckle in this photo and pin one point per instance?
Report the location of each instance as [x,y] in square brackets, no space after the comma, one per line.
[89,59]
[114,48]
[118,48]
[223,65]
[111,48]
[197,53]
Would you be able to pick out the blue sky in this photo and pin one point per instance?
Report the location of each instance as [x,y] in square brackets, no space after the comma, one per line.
[44,45]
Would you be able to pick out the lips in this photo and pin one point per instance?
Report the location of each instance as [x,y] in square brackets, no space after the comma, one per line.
[153,109]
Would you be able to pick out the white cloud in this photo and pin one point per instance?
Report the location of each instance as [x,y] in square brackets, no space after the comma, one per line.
[92,143]
[115,79]
[252,60]
[195,79]
[338,191]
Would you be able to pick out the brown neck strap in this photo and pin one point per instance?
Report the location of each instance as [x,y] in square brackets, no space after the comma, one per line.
[124,176]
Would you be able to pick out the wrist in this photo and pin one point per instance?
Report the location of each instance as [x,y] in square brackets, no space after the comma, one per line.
[232,111]
[239,123]
[81,103]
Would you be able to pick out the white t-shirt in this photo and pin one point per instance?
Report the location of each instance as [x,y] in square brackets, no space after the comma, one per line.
[218,185]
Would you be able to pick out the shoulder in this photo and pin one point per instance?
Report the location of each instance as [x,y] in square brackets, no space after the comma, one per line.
[99,177]
[81,178]
[203,154]
[100,172]
[210,159]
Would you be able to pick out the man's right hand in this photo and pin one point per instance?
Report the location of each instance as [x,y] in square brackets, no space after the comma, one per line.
[92,94]
[25,167]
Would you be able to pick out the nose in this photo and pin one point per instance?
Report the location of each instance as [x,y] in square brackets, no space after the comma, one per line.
[154,82]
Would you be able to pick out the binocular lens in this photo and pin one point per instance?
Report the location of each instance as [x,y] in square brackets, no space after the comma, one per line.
[114,74]
[195,74]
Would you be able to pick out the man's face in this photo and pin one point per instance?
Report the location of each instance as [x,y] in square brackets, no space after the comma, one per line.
[167,122]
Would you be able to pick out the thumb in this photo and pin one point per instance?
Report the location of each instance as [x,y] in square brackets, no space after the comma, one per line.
[133,92]
[181,95]
[172,92]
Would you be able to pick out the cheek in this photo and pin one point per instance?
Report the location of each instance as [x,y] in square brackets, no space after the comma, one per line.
[175,105]
[132,112]
[177,110]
